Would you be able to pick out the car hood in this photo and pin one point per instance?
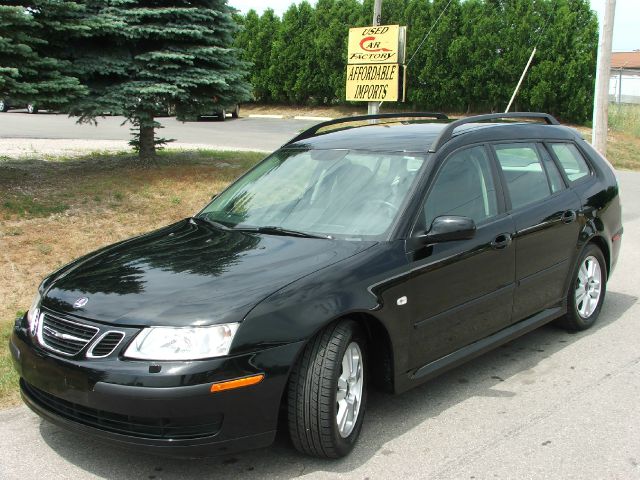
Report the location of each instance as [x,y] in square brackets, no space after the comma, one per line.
[189,273]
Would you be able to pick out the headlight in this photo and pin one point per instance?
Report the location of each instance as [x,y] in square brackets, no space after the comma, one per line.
[33,314]
[189,343]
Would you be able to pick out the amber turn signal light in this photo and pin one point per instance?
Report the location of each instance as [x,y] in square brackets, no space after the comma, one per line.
[237,383]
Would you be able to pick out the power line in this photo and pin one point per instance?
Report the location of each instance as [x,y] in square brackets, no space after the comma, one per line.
[429,32]
[546,24]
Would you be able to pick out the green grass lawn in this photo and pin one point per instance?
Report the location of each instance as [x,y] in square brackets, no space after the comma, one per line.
[8,376]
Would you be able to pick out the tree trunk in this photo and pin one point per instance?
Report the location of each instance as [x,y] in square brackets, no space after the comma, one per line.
[147,153]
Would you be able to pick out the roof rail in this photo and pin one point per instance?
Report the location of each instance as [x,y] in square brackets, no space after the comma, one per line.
[311,132]
[447,132]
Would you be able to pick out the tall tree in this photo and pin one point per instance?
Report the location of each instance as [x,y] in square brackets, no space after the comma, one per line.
[31,70]
[562,80]
[144,57]
[255,40]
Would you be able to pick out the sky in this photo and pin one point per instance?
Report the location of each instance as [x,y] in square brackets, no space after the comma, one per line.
[625,33]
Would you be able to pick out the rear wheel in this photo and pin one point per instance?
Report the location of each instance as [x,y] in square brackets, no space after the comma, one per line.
[587,291]
[327,392]
[31,108]
[223,116]
[3,106]
[236,112]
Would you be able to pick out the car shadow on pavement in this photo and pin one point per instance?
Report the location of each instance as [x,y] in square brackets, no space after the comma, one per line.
[388,417]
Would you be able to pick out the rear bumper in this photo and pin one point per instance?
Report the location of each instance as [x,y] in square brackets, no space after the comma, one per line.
[181,419]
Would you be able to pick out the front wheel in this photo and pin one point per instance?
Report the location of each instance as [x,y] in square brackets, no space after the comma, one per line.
[31,108]
[236,112]
[4,106]
[223,116]
[587,291]
[327,392]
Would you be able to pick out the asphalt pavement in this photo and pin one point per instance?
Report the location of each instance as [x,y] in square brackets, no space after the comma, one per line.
[243,133]
[550,405]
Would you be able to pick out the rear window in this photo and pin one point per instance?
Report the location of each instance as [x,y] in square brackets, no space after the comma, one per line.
[571,160]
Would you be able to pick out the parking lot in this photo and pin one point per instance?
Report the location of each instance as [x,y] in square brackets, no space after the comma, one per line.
[549,405]
[244,133]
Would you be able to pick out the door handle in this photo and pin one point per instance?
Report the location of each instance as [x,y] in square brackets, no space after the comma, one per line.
[569,216]
[502,241]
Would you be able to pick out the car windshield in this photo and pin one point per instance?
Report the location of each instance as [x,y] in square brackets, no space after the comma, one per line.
[346,194]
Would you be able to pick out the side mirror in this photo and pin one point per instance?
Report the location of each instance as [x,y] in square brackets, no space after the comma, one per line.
[449,228]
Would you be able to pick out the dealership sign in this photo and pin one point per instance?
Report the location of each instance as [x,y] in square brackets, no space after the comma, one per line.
[375,70]
[375,82]
[375,45]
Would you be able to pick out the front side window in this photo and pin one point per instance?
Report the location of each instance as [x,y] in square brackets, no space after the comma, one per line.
[523,172]
[571,160]
[464,186]
[342,193]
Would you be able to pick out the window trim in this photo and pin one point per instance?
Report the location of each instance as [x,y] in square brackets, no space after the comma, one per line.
[549,147]
[542,151]
[434,174]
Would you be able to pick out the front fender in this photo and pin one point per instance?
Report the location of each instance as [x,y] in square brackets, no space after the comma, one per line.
[362,284]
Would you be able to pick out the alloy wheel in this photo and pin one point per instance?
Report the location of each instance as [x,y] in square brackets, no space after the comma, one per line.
[350,386]
[588,287]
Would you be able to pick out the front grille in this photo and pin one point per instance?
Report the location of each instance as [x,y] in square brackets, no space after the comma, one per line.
[105,345]
[143,427]
[64,336]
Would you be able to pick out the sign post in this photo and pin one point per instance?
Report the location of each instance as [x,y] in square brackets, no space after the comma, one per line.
[374,107]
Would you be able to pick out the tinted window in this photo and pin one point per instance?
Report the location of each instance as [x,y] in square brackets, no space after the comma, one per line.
[463,187]
[523,172]
[351,194]
[571,160]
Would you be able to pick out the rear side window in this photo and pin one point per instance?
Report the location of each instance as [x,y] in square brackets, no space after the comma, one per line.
[571,160]
[523,171]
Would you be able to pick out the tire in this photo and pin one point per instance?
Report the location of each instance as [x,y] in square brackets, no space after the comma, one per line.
[31,108]
[236,112]
[4,107]
[223,116]
[582,313]
[313,395]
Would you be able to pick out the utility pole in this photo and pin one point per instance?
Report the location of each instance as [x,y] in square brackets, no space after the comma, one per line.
[374,107]
[603,75]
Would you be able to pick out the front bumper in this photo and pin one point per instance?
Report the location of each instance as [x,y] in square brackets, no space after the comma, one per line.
[172,412]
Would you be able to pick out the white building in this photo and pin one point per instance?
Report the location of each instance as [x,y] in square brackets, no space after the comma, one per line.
[624,85]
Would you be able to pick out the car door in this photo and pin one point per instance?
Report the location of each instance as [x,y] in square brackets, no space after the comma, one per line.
[461,291]
[545,213]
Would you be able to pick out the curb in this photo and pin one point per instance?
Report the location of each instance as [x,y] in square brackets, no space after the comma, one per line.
[297,117]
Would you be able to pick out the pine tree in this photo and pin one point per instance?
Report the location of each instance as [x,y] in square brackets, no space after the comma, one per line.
[144,57]
[30,71]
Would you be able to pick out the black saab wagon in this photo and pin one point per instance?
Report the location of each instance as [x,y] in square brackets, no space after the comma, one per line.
[377,255]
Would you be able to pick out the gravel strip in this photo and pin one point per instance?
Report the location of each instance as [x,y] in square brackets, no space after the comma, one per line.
[16,148]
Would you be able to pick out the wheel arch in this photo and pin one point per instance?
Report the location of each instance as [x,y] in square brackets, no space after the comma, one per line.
[379,348]
[601,243]
[379,351]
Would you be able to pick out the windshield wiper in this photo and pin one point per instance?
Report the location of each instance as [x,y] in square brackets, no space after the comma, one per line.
[211,222]
[280,231]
